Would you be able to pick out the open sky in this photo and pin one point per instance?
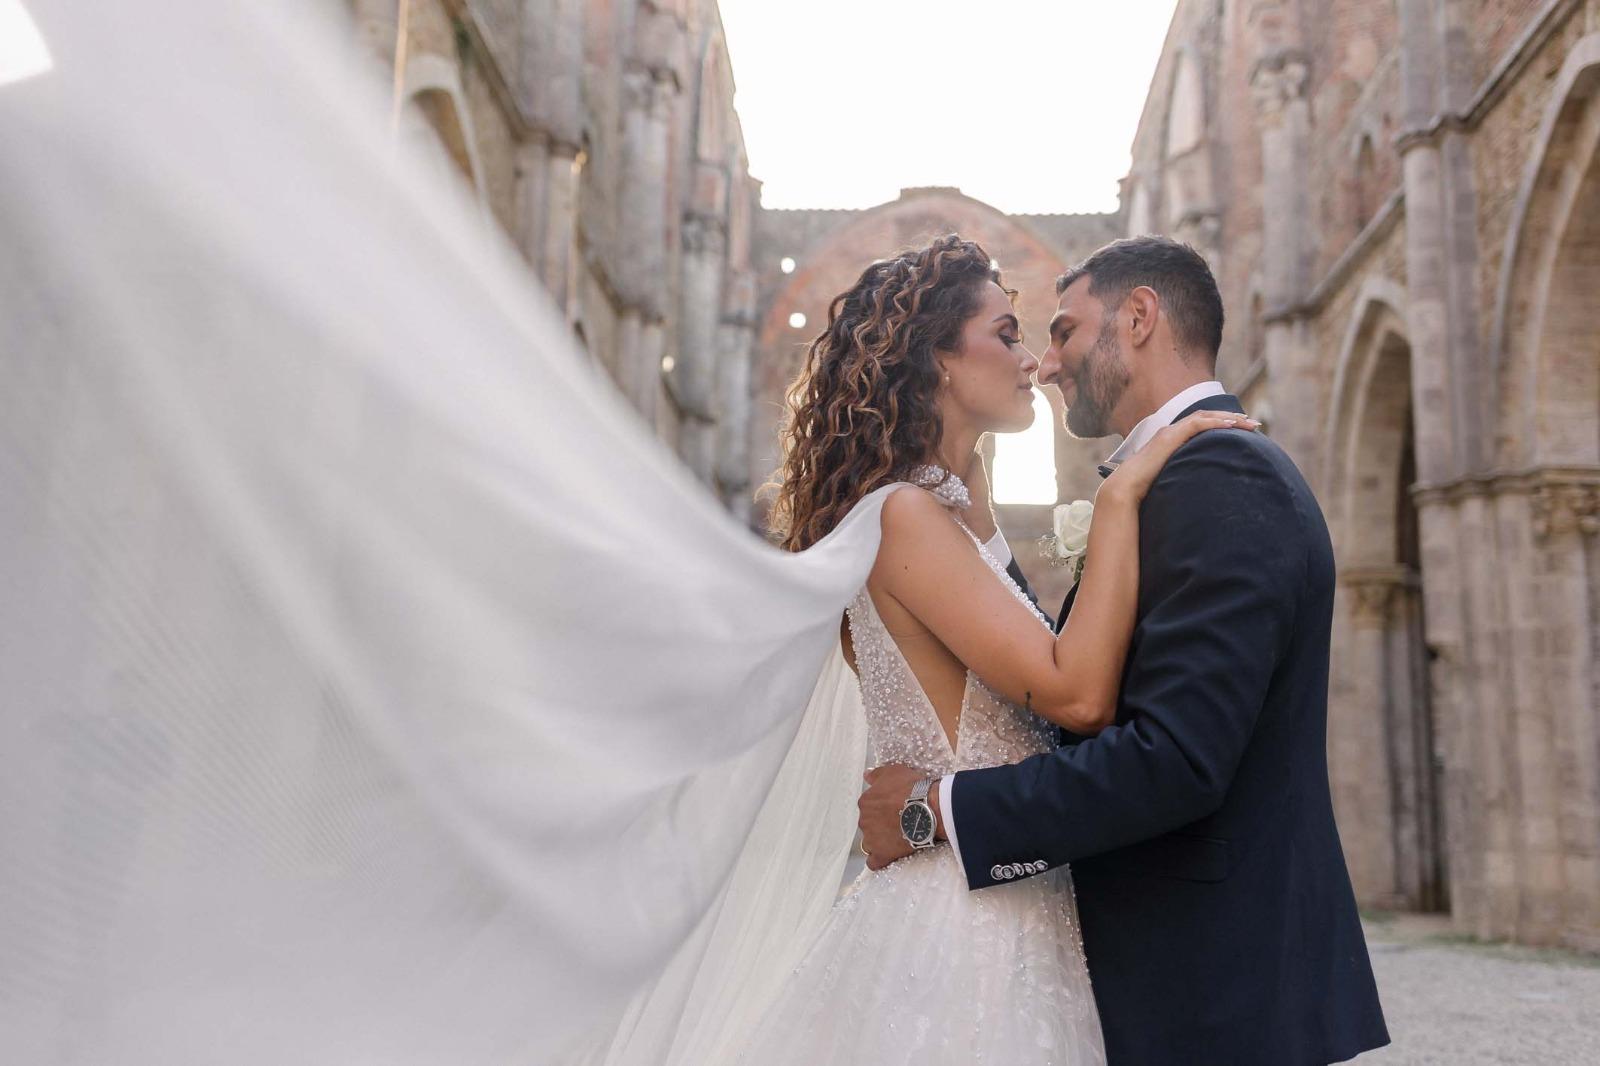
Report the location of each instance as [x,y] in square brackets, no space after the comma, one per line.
[1028,105]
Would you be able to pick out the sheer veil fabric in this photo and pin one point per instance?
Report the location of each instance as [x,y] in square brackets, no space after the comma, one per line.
[376,690]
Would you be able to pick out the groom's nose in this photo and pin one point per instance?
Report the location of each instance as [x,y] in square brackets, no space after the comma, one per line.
[1049,372]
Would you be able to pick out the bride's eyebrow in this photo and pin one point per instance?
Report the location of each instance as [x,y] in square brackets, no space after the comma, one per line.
[1009,318]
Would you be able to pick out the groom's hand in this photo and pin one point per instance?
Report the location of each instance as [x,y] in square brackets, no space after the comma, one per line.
[888,787]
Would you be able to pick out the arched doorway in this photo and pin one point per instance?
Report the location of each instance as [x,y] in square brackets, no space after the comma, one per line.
[1384,753]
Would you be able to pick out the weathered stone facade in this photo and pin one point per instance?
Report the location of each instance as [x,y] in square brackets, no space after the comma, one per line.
[601,136]
[1402,204]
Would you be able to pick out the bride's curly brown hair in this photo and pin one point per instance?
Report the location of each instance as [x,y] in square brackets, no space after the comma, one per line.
[862,414]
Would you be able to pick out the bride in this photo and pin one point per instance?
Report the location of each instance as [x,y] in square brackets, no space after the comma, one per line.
[958,668]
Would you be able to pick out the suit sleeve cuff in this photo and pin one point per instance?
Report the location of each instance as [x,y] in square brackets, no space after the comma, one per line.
[947,811]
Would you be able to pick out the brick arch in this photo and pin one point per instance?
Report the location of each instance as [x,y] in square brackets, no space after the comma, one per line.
[1545,362]
[832,263]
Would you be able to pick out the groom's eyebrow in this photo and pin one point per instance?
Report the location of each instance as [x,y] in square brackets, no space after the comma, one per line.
[1059,322]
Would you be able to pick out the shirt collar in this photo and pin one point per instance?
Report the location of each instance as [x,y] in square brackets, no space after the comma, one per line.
[1164,416]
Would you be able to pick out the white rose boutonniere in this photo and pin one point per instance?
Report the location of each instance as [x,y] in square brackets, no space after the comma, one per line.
[1070,541]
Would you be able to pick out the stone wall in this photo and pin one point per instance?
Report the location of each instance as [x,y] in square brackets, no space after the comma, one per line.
[1407,247]
[601,137]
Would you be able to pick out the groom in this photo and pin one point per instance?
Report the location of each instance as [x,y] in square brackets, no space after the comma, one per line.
[1217,915]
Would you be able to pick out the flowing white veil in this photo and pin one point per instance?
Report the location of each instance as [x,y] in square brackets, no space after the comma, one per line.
[373,689]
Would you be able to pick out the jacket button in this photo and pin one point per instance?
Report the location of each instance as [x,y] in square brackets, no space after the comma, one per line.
[997,872]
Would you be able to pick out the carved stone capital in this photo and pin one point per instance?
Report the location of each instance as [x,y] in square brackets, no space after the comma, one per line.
[645,91]
[1373,591]
[1277,80]
[1560,510]
[660,43]
[1514,482]
[704,235]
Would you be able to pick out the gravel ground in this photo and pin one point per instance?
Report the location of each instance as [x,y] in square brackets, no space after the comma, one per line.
[1464,1004]
[1454,1003]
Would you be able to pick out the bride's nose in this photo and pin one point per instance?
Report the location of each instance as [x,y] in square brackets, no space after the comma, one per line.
[1029,362]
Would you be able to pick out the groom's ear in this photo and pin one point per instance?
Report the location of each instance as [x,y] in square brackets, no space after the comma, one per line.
[1143,308]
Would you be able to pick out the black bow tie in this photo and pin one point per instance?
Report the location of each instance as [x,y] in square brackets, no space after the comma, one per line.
[1105,470]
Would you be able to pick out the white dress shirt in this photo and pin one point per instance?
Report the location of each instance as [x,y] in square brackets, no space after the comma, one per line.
[997,547]
[1140,435]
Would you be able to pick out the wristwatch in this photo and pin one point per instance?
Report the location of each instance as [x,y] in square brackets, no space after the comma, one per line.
[917,822]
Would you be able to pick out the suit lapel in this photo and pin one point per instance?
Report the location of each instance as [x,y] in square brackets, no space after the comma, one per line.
[1022,580]
[1223,402]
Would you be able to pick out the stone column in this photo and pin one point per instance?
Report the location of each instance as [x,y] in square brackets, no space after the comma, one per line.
[532,181]
[1523,851]
[1368,772]
[735,338]
[641,268]
[550,90]
[1459,654]
[1566,519]
[1278,84]
[557,259]
[705,247]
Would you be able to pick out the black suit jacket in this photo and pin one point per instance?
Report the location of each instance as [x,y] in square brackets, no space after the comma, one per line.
[1217,914]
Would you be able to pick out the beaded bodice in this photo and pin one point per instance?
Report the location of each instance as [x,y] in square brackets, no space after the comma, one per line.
[901,724]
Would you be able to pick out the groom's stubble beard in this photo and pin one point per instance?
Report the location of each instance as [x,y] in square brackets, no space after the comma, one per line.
[1101,380]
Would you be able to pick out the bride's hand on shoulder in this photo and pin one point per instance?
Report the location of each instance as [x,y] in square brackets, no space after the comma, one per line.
[1132,480]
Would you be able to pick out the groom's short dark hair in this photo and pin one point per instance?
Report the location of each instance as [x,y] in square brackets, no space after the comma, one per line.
[1177,273]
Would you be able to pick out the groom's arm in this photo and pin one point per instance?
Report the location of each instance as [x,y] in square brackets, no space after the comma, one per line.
[1223,560]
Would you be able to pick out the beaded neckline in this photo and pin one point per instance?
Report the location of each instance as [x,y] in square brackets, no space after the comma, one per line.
[945,486]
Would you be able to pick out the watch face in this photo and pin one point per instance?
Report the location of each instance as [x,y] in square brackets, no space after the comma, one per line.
[916,822]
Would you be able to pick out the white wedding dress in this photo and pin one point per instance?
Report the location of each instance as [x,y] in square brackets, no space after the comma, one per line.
[912,967]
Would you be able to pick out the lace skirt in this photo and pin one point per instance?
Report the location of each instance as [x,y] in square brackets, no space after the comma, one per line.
[914,968]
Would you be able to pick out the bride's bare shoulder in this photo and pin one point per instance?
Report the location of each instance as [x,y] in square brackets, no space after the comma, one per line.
[910,510]
[920,532]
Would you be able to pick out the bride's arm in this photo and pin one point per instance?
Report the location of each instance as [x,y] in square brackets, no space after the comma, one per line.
[928,564]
